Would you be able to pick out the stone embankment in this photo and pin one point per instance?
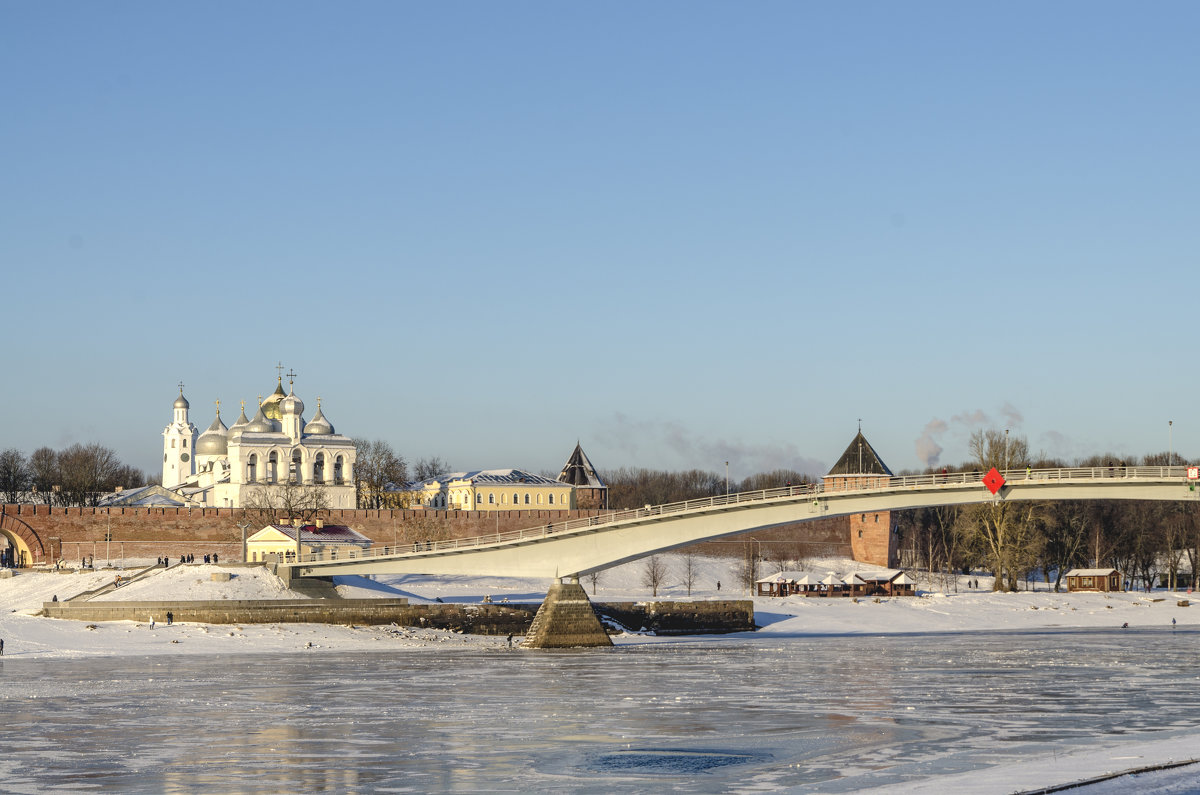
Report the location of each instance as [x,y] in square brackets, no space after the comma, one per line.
[677,618]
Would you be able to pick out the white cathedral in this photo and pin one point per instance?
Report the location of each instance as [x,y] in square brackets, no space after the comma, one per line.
[224,467]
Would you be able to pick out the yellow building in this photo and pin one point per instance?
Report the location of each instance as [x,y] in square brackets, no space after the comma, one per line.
[492,490]
[280,540]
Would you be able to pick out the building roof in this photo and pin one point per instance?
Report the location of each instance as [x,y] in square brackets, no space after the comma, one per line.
[877,576]
[860,458]
[579,471]
[1091,572]
[329,534]
[488,477]
[144,496]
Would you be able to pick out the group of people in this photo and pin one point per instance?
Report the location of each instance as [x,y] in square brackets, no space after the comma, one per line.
[170,619]
[165,560]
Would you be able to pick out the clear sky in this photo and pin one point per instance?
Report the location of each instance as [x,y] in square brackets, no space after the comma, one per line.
[682,233]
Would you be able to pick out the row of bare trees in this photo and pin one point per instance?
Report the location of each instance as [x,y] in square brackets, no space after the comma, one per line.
[1015,541]
[633,488]
[76,475]
[379,469]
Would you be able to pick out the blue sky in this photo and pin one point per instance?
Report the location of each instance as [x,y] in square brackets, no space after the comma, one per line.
[680,233]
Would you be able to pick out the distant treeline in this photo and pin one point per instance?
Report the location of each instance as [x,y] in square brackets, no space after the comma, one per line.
[75,475]
[633,488]
[1147,541]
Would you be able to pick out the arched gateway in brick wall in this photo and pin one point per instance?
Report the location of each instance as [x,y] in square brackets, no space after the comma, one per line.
[26,543]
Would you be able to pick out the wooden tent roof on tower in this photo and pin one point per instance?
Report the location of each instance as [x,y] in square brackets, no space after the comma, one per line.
[860,458]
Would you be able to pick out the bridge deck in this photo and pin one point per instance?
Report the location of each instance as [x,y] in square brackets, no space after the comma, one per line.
[579,546]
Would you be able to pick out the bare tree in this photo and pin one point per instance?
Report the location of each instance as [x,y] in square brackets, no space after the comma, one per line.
[593,578]
[376,467]
[745,571]
[86,472]
[429,467]
[14,475]
[43,473]
[784,556]
[654,573]
[691,571]
[1009,532]
[280,502]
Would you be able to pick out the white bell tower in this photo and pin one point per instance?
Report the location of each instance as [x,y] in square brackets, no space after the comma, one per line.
[179,445]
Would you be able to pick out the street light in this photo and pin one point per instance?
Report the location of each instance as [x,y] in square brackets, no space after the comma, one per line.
[1170,444]
[1006,449]
[726,478]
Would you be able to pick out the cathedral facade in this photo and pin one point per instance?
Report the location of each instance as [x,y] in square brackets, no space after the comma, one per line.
[255,460]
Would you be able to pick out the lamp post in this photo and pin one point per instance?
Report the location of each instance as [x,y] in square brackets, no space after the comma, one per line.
[726,478]
[1170,443]
[1006,449]
[244,526]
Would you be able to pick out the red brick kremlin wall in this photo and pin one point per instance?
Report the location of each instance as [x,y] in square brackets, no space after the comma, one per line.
[74,533]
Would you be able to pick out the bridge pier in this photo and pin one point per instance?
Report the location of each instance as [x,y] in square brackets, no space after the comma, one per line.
[566,619]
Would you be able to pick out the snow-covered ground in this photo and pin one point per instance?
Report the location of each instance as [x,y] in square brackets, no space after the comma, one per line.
[29,637]
[24,634]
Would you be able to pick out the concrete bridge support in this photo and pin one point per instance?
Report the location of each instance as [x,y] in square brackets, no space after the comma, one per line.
[566,620]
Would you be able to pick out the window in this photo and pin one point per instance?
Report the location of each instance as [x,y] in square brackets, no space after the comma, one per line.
[319,468]
[295,471]
[515,500]
[172,444]
[491,499]
[272,467]
[252,469]
[551,499]
[337,470]
[185,443]
[479,497]
[526,499]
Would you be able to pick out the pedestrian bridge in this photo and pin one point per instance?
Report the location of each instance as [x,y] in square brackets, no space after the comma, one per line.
[581,546]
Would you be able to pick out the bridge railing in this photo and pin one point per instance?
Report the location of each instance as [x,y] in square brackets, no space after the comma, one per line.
[807,490]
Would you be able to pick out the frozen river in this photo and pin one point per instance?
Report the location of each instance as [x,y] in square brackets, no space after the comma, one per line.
[713,714]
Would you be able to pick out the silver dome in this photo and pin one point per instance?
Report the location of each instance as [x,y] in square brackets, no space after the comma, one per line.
[214,441]
[260,424]
[181,402]
[318,425]
[291,405]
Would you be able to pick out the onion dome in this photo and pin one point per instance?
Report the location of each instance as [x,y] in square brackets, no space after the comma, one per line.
[319,425]
[270,406]
[214,441]
[291,405]
[260,423]
[181,402]
[239,426]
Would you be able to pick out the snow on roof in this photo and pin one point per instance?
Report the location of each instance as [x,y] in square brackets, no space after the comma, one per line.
[1091,572]
[490,476]
[877,576]
[783,576]
[329,534]
[141,496]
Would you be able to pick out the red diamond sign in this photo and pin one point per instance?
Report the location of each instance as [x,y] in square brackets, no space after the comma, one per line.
[993,480]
